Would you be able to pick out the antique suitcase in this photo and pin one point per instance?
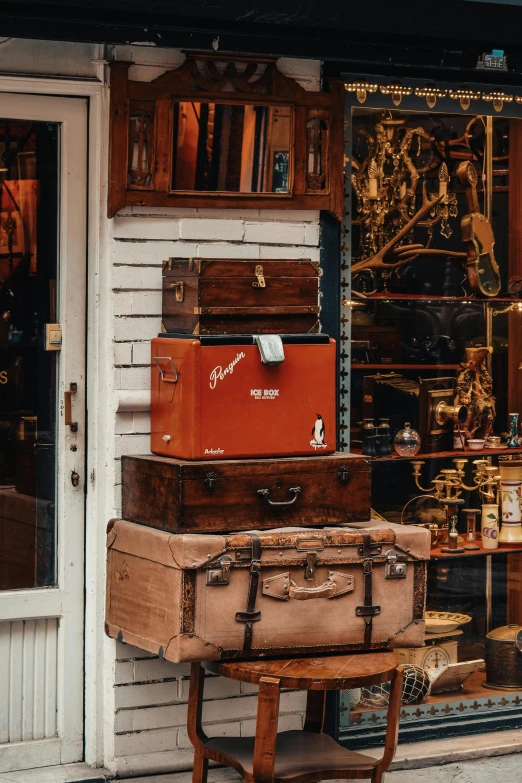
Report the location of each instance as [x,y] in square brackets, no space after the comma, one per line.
[222,397]
[233,296]
[284,591]
[217,497]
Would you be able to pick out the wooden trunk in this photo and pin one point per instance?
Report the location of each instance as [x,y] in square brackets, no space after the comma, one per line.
[220,496]
[231,296]
[207,597]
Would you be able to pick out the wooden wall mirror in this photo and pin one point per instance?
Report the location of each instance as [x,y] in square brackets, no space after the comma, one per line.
[225,132]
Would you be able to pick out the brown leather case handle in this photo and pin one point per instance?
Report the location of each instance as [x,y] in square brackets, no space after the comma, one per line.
[326,590]
[265,493]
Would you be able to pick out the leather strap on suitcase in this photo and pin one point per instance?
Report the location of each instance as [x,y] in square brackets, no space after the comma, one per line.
[368,611]
[250,616]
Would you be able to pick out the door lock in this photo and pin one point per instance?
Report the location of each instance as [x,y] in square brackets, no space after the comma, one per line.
[75,478]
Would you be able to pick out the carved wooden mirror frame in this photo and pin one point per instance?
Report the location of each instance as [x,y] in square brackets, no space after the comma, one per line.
[315,175]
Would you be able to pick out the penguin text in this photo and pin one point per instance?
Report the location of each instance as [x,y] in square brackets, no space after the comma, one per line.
[218,373]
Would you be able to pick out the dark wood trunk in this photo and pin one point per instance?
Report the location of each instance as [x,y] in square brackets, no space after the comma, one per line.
[212,296]
[220,496]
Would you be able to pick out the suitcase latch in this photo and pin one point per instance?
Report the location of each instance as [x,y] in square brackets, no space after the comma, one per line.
[180,290]
[220,574]
[375,550]
[396,566]
[311,560]
[260,282]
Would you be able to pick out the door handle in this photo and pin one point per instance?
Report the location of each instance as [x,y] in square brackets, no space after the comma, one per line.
[67,400]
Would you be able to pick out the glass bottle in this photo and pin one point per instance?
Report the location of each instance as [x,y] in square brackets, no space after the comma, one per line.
[407,442]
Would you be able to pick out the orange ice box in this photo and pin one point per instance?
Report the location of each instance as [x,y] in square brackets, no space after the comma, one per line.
[222,397]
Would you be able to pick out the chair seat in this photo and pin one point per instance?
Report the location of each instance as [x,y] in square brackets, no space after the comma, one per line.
[298,753]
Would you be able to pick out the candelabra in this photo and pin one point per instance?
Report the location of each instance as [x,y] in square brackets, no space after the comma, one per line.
[448,485]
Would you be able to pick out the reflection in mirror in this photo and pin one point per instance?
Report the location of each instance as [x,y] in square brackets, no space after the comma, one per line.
[231,147]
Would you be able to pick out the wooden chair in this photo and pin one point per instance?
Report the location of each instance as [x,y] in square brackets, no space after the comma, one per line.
[295,756]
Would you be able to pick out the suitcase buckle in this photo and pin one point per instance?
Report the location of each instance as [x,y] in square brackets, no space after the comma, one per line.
[396,565]
[220,575]
[311,560]
[180,290]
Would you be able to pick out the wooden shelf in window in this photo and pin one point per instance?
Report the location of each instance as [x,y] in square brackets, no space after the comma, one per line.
[437,554]
[442,454]
[364,366]
[434,298]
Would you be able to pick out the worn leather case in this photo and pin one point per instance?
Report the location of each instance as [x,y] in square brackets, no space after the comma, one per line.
[231,495]
[284,591]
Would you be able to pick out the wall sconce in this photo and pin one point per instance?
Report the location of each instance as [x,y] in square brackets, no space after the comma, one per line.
[465,97]
[396,90]
[431,92]
[498,98]
[361,87]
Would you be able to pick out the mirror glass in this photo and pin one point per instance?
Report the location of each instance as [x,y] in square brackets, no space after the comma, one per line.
[232,148]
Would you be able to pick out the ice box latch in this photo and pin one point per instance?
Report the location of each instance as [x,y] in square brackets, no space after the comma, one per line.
[271,348]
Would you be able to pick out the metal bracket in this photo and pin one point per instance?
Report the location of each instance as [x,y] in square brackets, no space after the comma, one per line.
[162,372]
[396,565]
[375,550]
[343,474]
[210,481]
[180,290]
[220,575]
[260,282]
[311,560]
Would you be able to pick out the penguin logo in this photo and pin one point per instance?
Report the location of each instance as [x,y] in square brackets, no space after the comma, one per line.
[318,433]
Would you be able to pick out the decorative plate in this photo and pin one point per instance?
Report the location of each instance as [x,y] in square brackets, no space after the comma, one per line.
[444,622]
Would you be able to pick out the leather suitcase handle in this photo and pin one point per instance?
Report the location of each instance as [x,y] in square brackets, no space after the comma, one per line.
[326,590]
[265,493]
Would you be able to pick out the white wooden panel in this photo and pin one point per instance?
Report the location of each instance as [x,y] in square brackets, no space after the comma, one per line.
[28,670]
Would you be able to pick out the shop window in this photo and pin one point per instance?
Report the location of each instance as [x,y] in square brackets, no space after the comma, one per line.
[431,339]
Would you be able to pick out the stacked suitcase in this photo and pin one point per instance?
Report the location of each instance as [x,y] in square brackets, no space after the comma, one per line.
[246,534]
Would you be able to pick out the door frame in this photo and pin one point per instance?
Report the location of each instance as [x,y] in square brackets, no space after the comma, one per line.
[99,653]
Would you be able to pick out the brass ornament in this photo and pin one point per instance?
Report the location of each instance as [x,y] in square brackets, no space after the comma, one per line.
[431,92]
[361,87]
[464,96]
[498,99]
[396,90]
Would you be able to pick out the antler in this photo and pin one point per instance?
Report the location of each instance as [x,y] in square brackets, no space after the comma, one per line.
[377,261]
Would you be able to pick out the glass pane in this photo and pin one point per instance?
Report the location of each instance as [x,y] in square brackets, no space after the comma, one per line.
[231,148]
[28,256]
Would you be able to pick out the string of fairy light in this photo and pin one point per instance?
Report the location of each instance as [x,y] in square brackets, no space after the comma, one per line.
[431,93]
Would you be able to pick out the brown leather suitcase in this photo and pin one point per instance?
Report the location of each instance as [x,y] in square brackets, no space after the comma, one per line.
[285,591]
[227,495]
[236,296]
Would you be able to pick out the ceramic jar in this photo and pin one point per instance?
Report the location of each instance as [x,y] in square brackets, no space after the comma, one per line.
[489,526]
[510,484]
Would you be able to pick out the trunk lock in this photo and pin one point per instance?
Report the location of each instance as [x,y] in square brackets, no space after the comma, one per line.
[220,573]
[396,565]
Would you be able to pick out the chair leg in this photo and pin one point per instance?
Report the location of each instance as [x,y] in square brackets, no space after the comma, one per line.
[315,705]
[392,727]
[200,770]
[197,680]
[266,730]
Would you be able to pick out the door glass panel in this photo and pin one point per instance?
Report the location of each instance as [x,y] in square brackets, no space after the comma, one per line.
[28,264]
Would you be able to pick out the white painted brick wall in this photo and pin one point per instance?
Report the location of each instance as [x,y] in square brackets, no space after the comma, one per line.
[151,694]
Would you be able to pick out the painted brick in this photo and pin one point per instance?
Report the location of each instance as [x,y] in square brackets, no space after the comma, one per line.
[144,695]
[124,673]
[221,688]
[123,721]
[141,422]
[276,233]
[150,253]
[150,763]
[289,251]
[126,652]
[122,353]
[159,717]
[229,214]
[289,215]
[124,424]
[157,669]
[134,378]
[312,234]
[196,228]
[165,211]
[146,303]
[146,228]
[145,742]
[141,353]
[227,250]
[123,303]
[212,730]
[130,278]
[131,444]
[244,707]
[145,328]
[285,723]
